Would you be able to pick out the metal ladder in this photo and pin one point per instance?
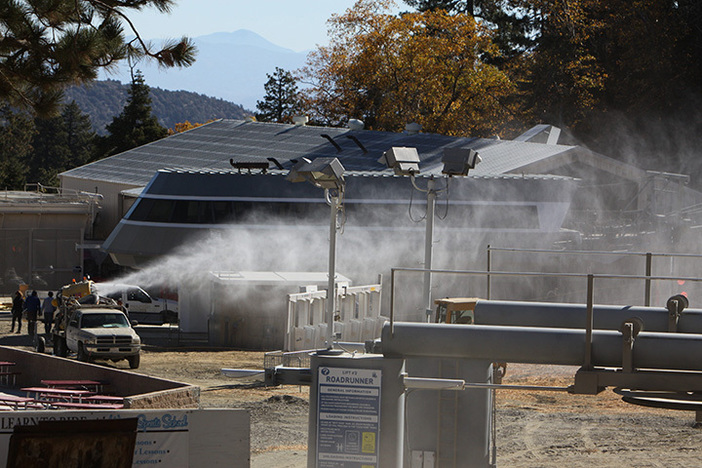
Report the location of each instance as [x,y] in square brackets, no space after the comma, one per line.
[447,418]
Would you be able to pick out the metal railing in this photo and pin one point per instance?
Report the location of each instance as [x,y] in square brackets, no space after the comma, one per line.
[34,193]
[288,359]
[648,268]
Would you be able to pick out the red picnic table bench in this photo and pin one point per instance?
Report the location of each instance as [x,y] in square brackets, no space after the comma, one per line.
[48,395]
[92,385]
[108,399]
[18,402]
[71,405]
[7,375]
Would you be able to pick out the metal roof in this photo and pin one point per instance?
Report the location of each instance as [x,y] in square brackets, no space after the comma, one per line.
[300,278]
[211,146]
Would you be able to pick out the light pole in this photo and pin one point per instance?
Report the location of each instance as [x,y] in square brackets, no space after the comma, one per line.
[405,162]
[326,173]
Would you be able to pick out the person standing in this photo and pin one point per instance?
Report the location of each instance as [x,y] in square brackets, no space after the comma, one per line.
[47,310]
[32,306]
[17,307]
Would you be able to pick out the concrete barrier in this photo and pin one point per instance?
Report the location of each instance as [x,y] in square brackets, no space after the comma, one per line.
[184,397]
[142,391]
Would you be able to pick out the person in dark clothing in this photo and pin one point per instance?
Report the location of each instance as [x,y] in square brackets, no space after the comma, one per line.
[47,310]
[17,307]
[32,305]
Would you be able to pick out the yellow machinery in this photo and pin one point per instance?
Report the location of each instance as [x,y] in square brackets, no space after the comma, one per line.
[78,290]
[455,310]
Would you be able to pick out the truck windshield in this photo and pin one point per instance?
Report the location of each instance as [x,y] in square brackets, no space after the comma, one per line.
[104,321]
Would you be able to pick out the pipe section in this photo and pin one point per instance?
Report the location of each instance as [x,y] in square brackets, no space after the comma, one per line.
[527,345]
[552,315]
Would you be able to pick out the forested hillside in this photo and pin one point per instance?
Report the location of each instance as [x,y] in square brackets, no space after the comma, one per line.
[102,100]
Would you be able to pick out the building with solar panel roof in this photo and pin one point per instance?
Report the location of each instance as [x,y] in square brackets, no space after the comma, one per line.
[212,177]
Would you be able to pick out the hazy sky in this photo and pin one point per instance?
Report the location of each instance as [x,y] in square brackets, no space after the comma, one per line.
[298,25]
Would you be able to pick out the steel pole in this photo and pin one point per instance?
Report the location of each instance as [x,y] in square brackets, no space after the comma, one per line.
[331,289]
[587,363]
[429,246]
[487,276]
[647,284]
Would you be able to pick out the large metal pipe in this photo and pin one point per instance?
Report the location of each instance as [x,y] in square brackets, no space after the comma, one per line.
[556,346]
[606,317]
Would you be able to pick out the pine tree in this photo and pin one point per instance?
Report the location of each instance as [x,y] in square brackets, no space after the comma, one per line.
[135,126]
[282,99]
[80,137]
[50,153]
[16,131]
[48,45]
[61,143]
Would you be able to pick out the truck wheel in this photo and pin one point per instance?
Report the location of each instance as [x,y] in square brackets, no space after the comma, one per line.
[134,361]
[60,347]
[82,355]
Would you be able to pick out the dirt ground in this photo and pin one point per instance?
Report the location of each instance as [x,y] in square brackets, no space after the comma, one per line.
[534,429]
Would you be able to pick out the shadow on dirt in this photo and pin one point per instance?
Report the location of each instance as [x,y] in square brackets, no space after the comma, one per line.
[238,386]
[17,340]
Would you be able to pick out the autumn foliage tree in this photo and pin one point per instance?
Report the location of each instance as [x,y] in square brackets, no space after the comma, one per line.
[563,78]
[181,127]
[425,67]
[625,76]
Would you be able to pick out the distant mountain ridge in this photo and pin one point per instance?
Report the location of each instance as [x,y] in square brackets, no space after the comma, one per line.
[105,99]
[229,65]
[242,37]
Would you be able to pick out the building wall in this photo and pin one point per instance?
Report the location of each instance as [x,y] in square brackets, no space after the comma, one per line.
[38,243]
[44,259]
[110,212]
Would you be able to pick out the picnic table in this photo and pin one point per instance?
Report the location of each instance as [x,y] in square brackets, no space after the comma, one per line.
[7,375]
[46,394]
[109,399]
[89,406]
[92,385]
[17,402]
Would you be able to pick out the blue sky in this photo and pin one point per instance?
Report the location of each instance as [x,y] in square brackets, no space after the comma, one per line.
[299,25]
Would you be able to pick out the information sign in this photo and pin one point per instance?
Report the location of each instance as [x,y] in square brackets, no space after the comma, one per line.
[348,417]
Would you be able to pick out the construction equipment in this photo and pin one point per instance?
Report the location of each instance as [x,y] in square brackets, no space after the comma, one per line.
[92,326]
[459,310]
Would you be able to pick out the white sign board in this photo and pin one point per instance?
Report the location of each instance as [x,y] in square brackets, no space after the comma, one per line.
[165,438]
[348,417]
[162,439]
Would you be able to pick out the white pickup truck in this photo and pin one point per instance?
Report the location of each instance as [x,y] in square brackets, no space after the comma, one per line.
[92,327]
[139,304]
[97,332]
